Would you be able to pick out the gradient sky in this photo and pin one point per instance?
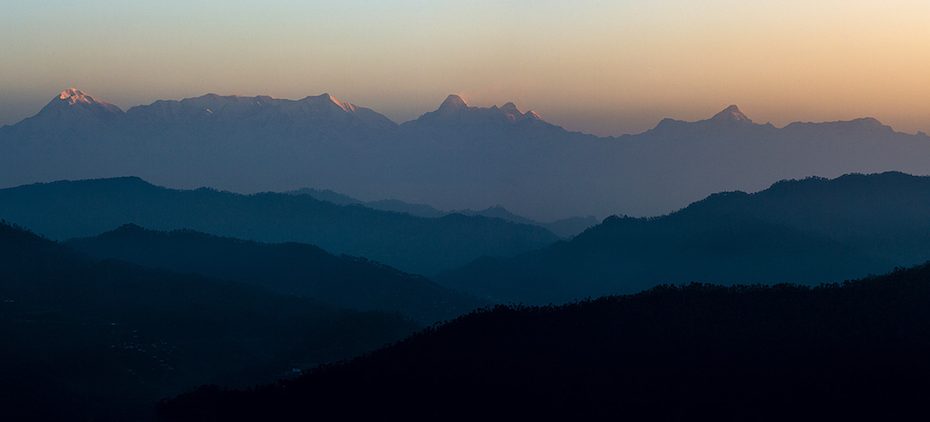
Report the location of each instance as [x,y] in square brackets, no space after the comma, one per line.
[605,67]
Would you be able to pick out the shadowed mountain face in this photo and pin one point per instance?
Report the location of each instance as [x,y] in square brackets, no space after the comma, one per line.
[289,268]
[64,210]
[457,157]
[808,231]
[89,340]
[699,352]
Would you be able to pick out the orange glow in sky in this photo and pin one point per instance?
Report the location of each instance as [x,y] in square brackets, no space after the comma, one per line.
[607,67]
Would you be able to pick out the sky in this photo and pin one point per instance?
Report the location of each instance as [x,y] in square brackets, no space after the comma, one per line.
[603,67]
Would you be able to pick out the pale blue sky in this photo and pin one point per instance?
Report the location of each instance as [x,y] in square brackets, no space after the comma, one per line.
[607,67]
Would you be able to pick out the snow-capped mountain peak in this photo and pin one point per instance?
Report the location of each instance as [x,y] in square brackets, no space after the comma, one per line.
[74,96]
[79,105]
[347,107]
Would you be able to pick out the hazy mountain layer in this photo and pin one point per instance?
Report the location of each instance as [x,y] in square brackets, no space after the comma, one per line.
[808,231]
[65,210]
[565,228]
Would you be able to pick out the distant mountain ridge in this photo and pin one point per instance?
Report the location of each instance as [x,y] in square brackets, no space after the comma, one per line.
[68,209]
[802,231]
[456,157]
[237,110]
[565,228]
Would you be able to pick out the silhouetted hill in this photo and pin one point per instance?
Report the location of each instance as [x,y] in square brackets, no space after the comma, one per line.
[804,231]
[89,340]
[290,268]
[700,352]
[64,210]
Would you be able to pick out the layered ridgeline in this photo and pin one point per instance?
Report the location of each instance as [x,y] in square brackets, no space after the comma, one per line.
[288,268]
[104,340]
[457,157]
[65,210]
[804,231]
[702,352]
[564,227]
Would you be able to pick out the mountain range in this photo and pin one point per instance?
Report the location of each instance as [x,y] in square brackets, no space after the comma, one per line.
[456,157]
[65,210]
[806,231]
[565,228]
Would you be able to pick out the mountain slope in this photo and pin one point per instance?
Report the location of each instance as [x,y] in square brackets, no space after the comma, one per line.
[564,228]
[808,231]
[699,352]
[103,340]
[289,268]
[64,210]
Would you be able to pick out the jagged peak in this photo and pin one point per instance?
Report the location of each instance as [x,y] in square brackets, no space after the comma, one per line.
[731,114]
[453,103]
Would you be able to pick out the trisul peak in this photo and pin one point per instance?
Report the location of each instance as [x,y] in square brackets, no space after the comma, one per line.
[73,97]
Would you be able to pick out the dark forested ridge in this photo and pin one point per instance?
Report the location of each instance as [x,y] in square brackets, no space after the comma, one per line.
[64,210]
[803,231]
[856,350]
[289,268]
[88,340]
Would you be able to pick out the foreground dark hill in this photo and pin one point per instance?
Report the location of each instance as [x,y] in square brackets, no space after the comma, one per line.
[681,353]
[806,231]
[289,268]
[64,210]
[88,340]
